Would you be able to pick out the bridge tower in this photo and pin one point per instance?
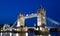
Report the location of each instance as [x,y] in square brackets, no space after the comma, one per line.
[20,20]
[21,25]
[41,19]
[41,16]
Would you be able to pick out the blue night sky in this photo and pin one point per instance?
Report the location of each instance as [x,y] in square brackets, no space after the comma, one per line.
[9,9]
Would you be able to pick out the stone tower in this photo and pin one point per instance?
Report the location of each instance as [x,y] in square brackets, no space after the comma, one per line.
[41,18]
[20,20]
[20,25]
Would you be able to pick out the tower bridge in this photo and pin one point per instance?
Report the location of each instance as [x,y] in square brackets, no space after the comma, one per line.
[41,19]
[41,23]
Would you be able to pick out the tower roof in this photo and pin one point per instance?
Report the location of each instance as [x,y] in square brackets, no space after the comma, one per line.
[41,7]
[20,14]
[41,10]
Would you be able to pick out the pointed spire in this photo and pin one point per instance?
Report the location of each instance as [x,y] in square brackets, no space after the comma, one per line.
[21,14]
[41,7]
[41,10]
